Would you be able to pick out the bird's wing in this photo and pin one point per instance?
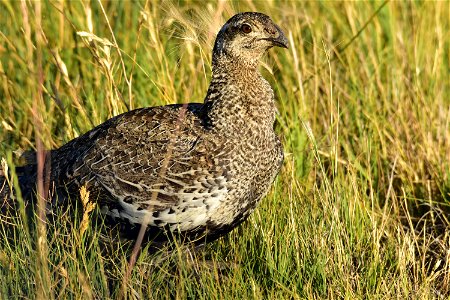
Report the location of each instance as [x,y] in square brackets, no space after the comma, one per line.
[153,160]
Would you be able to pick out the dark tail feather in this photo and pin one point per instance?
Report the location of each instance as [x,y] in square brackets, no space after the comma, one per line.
[8,195]
[27,181]
[12,213]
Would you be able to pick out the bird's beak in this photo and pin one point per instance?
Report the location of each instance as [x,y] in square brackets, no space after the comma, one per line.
[280,39]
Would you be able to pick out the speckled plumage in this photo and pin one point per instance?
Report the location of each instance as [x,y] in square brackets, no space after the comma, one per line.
[197,170]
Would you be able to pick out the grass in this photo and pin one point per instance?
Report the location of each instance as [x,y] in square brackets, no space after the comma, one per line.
[361,206]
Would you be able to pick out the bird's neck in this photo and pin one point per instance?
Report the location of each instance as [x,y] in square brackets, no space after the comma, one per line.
[239,98]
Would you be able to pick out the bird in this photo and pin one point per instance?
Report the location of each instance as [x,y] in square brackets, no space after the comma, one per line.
[192,171]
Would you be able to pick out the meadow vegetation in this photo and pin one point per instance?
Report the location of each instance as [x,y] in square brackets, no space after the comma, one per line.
[361,206]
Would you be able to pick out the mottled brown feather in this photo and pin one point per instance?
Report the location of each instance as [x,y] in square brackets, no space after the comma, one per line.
[193,170]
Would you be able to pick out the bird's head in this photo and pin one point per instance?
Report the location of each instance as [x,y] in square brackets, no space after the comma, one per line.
[246,37]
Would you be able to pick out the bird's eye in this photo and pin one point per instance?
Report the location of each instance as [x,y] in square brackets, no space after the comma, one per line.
[246,28]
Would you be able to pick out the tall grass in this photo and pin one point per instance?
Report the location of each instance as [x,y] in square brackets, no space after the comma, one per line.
[361,207]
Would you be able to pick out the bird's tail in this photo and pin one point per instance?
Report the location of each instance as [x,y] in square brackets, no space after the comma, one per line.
[16,200]
[9,196]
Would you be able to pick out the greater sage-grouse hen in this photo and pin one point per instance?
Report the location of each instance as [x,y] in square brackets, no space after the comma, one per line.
[195,170]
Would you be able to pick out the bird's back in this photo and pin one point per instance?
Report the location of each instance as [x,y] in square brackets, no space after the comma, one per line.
[166,165]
